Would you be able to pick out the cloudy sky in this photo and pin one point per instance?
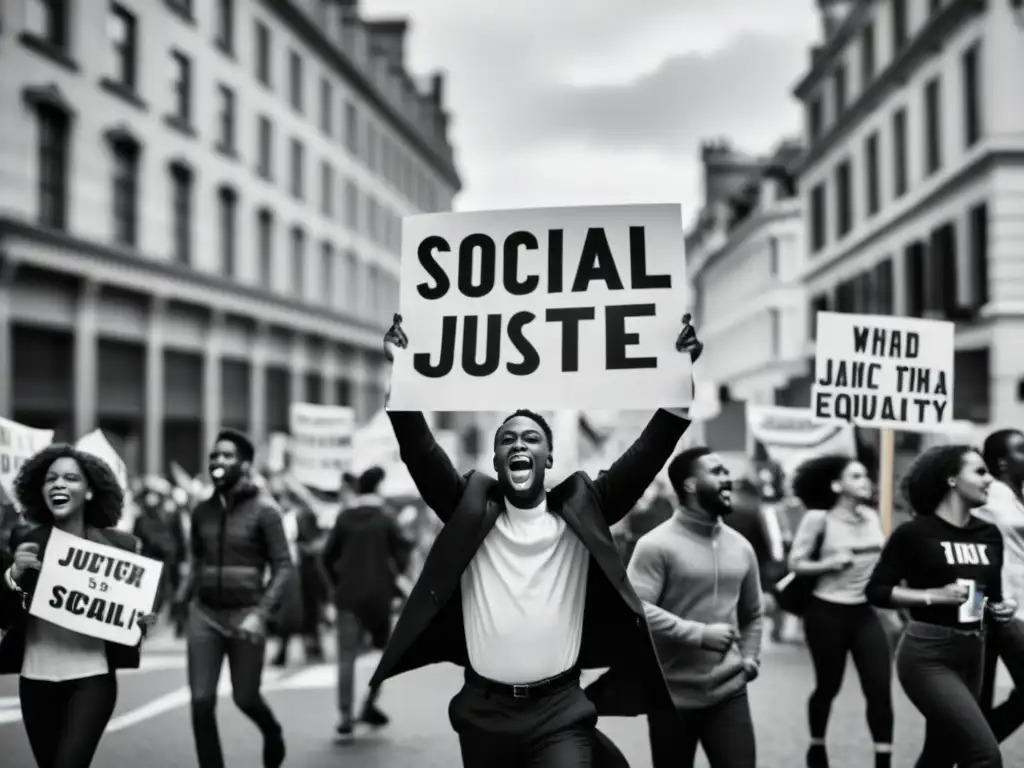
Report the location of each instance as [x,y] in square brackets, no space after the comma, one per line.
[575,102]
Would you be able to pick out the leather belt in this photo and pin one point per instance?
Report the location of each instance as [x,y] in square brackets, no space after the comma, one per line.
[536,690]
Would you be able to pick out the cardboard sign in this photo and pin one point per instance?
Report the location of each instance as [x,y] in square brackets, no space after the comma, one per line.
[321,444]
[96,444]
[555,308]
[18,443]
[790,436]
[883,372]
[95,589]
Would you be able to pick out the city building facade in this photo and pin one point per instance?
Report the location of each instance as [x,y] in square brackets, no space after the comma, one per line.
[744,257]
[200,213]
[911,182]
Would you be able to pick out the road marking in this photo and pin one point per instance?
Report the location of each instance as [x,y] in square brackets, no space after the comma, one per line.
[324,676]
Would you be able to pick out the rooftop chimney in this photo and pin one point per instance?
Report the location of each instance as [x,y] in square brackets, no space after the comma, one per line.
[437,89]
[726,169]
[388,38]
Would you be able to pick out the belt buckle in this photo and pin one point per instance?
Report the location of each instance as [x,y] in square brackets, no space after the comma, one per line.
[520,691]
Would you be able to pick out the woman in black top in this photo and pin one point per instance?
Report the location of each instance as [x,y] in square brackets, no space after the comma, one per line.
[943,566]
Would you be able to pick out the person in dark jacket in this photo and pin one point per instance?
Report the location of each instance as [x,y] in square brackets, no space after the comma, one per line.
[68,685]
[236,535]
[363,555]
[152,528]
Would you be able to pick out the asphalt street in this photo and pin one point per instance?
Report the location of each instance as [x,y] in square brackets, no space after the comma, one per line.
[151,725]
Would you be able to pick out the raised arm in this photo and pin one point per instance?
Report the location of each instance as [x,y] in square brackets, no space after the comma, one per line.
[437,480]
[620,488]
[647,572]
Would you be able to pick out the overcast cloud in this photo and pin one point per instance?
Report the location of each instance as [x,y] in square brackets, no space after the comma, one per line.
[581,102]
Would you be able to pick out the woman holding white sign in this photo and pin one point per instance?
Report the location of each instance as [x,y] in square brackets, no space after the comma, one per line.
[68,685]
[838,544]
[945,567]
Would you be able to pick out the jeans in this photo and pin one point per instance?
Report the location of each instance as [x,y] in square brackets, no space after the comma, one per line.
[834,632]
[725,730]
[65,720]
[940,669]
[208,646]
[350,634]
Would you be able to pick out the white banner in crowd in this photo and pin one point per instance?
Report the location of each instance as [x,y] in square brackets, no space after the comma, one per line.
[880,371]
[95,589]
[321,444]
[792,435]
[96,444]
[555,308]
[18,443]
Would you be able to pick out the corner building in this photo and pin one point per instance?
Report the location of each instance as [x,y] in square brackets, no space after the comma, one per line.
[912,182]
[200,207]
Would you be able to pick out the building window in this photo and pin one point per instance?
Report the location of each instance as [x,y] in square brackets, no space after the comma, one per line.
[295,81]
[351,129]
[265,247]
[872,180]
[48,22]
[844,200]
[867,56]
[372,218]
[326,189]
[839,91]
[121,28]
[970,72]
[265,148]
[371,147]
[181,213]
[225,25]
[262,41]
[351,281]
[126,192]
[225,119]
[899,26]
[914,266]
[298,160]
[298,243]
[773,256]
[182,7]
[884,288]
[181,87]
[899,153]
[327,273]
[977,223]
[819,303]
[933,133]
[326,107]
[227,208]
[54,157]
[815,120]
[351,206]
[818,218]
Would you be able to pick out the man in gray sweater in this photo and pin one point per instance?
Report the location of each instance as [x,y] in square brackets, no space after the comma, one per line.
[699,581]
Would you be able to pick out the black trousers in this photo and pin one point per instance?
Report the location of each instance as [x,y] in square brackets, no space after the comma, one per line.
[498,731]
[1007,644]
[940,670]
[207,649]
[724,730]
[833,633]
[65,720]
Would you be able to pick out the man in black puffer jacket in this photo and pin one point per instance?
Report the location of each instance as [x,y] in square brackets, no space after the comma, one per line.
[236,535]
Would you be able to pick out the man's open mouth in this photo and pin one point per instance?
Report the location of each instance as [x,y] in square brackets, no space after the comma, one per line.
[217,473]
[520,469]
[725,495]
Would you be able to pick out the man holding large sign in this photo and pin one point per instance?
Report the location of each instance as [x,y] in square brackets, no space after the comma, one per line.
[524,587]
[564,308]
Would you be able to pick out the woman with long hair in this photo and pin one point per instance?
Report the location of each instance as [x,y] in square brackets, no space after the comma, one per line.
[68,686]
[945,567]
[838,543]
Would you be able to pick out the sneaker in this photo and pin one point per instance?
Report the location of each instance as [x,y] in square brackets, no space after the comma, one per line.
[344,732]
[273,751]
[374,718]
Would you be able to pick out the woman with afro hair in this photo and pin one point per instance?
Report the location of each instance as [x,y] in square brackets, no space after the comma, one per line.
[945,567]
[838,543]
[68,687]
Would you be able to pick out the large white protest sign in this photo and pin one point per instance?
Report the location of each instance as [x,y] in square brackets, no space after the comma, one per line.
[790,436]
[321,444]
[557,308]
[95,589]
[884,372]
[18,443]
